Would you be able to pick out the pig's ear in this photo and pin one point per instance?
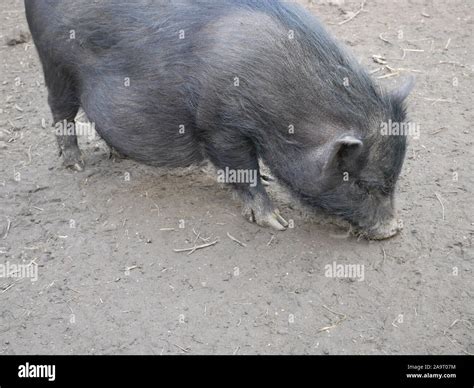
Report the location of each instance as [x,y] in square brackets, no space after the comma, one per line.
[403,91]
[343,151]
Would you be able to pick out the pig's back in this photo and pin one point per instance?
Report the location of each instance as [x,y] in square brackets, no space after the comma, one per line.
[145,70]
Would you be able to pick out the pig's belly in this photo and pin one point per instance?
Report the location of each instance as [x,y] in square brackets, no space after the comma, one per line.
[153,132]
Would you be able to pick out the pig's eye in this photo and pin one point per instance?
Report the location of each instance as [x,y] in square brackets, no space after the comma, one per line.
[366,184]
[373,187]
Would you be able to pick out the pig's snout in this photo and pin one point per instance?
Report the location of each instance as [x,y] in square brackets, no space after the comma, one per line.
[385,229]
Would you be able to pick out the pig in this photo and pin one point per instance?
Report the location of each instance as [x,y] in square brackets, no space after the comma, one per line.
[235,82]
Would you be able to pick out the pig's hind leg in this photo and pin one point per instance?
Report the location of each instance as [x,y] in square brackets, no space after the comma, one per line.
[64,106]
[236,159]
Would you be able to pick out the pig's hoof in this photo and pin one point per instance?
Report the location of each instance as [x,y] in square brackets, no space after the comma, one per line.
[272,219]
[267,179]
[78,166]
[73,160]
[114,154]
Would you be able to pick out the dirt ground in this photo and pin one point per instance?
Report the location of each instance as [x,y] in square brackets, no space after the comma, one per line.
[109,281]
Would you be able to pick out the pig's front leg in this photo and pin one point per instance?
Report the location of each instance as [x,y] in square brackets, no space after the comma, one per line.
[258,207]
[237,163]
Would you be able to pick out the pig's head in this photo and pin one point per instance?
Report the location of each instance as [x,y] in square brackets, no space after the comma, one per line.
[358,171]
